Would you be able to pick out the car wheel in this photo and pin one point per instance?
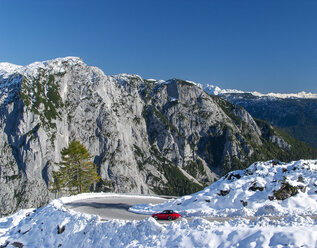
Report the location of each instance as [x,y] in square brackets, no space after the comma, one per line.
[169,218]
[155,217]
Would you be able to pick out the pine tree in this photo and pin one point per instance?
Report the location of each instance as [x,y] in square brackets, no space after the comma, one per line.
[76,171]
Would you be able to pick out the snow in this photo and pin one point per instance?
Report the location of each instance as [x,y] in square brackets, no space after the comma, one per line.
[69,199]
[302,94]
[6,69]
[39,228]
[194,83]
[248,192]
[215,90]
[124,77]
[151,80]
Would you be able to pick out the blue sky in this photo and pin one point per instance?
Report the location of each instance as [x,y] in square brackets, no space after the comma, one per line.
[268,45]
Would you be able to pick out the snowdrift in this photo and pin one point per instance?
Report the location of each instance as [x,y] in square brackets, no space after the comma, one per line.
[269,188]
[56,226]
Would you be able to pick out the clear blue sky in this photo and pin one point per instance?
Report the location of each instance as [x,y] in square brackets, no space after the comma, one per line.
[268,45]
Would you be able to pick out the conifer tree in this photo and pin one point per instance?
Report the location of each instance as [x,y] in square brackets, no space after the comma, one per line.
[76,171]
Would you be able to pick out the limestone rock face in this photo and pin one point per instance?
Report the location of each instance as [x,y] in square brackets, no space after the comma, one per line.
[146,136]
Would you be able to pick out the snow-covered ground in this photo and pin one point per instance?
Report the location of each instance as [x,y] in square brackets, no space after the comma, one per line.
[56,226]
[264,189]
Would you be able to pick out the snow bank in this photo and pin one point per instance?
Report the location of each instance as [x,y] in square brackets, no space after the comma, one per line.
[56,226]
[246,192]
[72,198]
[264,189]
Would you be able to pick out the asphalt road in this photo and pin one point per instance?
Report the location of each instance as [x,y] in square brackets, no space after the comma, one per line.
[112,207]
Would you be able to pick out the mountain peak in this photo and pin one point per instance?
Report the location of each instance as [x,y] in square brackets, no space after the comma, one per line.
[215,90]
[7,69]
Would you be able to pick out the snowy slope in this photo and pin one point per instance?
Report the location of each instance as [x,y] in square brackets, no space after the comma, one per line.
[56,226]
[265,188]
[8,69]
[215,90]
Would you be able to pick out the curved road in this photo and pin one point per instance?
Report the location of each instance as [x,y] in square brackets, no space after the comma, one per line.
[113,207]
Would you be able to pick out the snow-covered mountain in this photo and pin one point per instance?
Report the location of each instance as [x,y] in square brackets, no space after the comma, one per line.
[146,136]
[265,188]
[7,69]
[217,91]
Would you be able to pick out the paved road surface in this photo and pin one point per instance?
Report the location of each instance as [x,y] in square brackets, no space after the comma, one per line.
[112,207]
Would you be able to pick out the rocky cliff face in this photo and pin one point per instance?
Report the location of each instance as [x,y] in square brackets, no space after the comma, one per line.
[146,136]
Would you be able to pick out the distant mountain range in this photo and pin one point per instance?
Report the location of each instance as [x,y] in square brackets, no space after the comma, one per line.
[295,114]
[215,90]
[146,136]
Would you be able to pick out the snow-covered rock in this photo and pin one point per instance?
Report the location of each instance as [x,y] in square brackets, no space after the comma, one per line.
[265,188]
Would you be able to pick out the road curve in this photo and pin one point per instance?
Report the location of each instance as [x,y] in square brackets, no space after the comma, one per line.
[113,207]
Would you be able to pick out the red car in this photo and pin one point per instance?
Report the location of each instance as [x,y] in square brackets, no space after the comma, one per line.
[166,215]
